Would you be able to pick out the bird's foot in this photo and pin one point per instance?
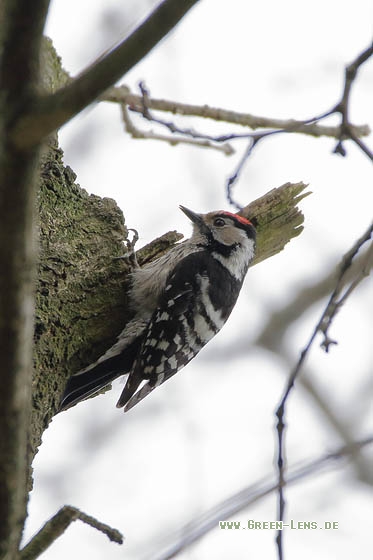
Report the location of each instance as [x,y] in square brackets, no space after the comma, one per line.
[130,256]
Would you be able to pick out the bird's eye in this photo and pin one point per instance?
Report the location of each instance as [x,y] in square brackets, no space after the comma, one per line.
[219,222]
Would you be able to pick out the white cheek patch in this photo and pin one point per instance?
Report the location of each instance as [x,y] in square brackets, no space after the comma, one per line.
[239,260]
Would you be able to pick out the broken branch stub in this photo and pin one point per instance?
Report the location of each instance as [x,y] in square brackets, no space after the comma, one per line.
[277,218]
[275,215]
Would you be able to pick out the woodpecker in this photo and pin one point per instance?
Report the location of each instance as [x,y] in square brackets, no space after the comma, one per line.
[180,301]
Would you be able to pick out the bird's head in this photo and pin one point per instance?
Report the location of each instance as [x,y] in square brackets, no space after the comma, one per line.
[222,228]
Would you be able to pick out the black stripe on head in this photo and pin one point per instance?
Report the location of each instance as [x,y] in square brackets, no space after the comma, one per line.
[240,222]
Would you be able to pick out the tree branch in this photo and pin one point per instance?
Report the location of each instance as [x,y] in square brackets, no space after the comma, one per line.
[123,95]
[173,140]
[57,525]
[49,112]
[275,215]
[338,299]
[277,218]
[142,104]
[21,25]
[347,129]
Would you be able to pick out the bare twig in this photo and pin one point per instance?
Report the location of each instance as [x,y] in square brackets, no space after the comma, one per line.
[338,299]
[143,103]
[173,140]
[347,130]
[234,176]
[57,525]
[246,497]
[322,326]
[254,140]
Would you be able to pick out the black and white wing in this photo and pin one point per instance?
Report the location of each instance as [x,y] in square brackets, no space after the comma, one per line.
[182,324]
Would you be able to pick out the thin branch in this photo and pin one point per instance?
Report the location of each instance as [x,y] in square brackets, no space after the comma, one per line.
[50,112]
[254,140]
[347,130]
[57,525]
[322,326]
[122,94]
[363,147]
[143,103]
[199,527]
[136,133]
[337,300]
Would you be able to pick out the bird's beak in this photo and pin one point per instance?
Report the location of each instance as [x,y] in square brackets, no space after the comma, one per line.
[195,218]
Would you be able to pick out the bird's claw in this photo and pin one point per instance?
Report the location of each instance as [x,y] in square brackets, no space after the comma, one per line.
[130,256]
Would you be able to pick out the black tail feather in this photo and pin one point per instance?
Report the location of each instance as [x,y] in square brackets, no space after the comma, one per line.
[87,383]
[83,385]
